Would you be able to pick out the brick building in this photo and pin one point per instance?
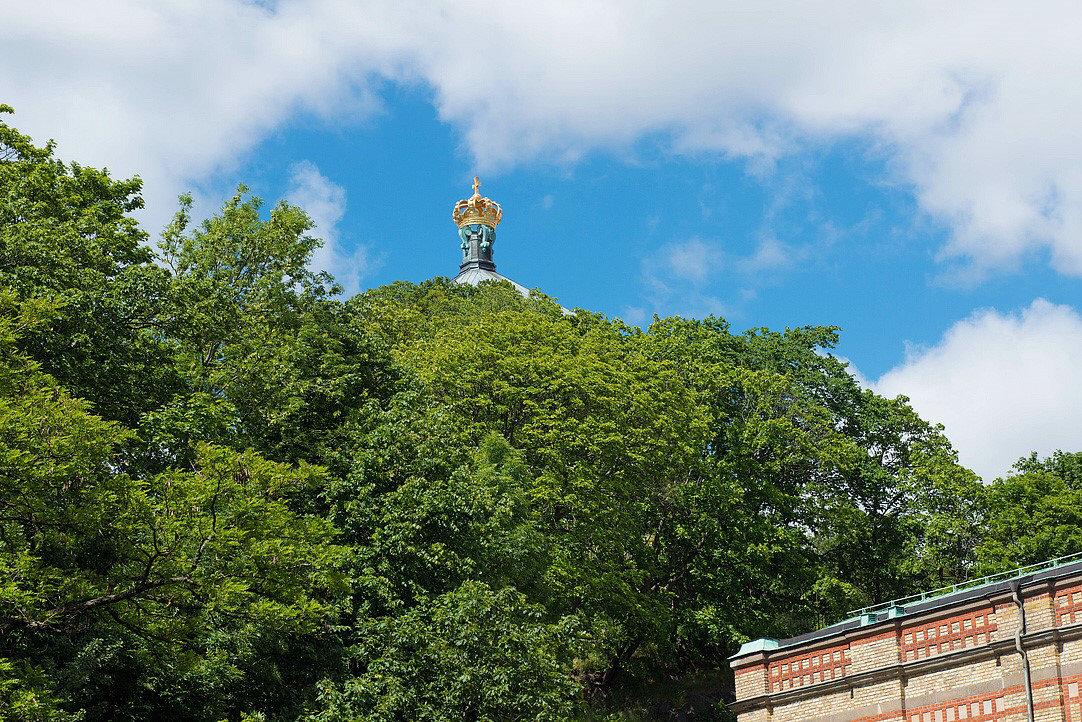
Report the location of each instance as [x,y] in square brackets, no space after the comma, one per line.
[998,649]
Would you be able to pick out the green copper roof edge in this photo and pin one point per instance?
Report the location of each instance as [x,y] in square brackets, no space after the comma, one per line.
[970,584]
[764,644]
[769,645]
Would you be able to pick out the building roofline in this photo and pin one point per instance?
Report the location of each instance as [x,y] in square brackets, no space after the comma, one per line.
[970,584]
[921,604]
[903,669]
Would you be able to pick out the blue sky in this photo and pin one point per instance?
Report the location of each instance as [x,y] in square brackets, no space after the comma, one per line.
[909,173]
[851,248]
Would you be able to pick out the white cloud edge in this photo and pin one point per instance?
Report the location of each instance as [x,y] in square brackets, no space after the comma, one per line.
[976,108]
[1002,384]
[325,201]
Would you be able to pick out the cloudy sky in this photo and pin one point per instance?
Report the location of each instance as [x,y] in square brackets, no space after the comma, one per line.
[909,171]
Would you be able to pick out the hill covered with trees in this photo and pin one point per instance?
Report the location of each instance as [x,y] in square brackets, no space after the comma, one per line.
[228,492]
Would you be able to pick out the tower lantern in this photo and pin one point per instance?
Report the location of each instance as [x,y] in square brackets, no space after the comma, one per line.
[477,218]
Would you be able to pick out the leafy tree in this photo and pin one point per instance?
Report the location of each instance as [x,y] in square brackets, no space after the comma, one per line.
[1032,515]
[473,653]
[1066,466]
[135,597]
[67,237]
[269,360]
[227,493]
[193,592]
[444,537]
[602,430]
[695,487]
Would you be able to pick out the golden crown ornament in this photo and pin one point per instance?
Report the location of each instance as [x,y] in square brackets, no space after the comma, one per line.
[477,209]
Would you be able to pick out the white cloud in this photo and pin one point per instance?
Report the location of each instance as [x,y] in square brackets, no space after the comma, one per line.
[976,104]
[1002,384]
[770,255]
[675,277]
[691,260]
[325,202]
[680,277]
[172,90]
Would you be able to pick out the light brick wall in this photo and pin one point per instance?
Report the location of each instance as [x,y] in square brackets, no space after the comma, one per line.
[824,707]
[1039,614]
[877,700]
[895,676]
[1071,654]
[750,681]
[874,652]
[1007,621]
[758,715]
[939,685]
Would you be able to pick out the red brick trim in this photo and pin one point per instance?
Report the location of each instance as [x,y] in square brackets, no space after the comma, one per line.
[1071,694]
[799,670]
[928,639]
[749,668]
[1067,605]
[991,706]
[987,707]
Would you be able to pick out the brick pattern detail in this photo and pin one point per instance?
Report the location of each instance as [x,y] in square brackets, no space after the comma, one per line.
[885,698]
[805,669]
[979,708]
[1068,606]
[960,632]
[992,707]
[748,669]
[874,638]
[1072,700]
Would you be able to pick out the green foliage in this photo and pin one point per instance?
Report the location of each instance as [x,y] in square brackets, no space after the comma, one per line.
[135,590]
[67,237]
[178,582]
[1033,515]
[469,654]
[691,488]
[225,493]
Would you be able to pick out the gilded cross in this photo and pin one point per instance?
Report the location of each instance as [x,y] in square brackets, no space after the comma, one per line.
[476,184]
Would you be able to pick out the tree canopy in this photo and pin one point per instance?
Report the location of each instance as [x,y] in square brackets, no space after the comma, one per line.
[227,492]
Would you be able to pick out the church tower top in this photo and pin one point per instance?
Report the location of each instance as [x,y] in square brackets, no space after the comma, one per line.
[477,218]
